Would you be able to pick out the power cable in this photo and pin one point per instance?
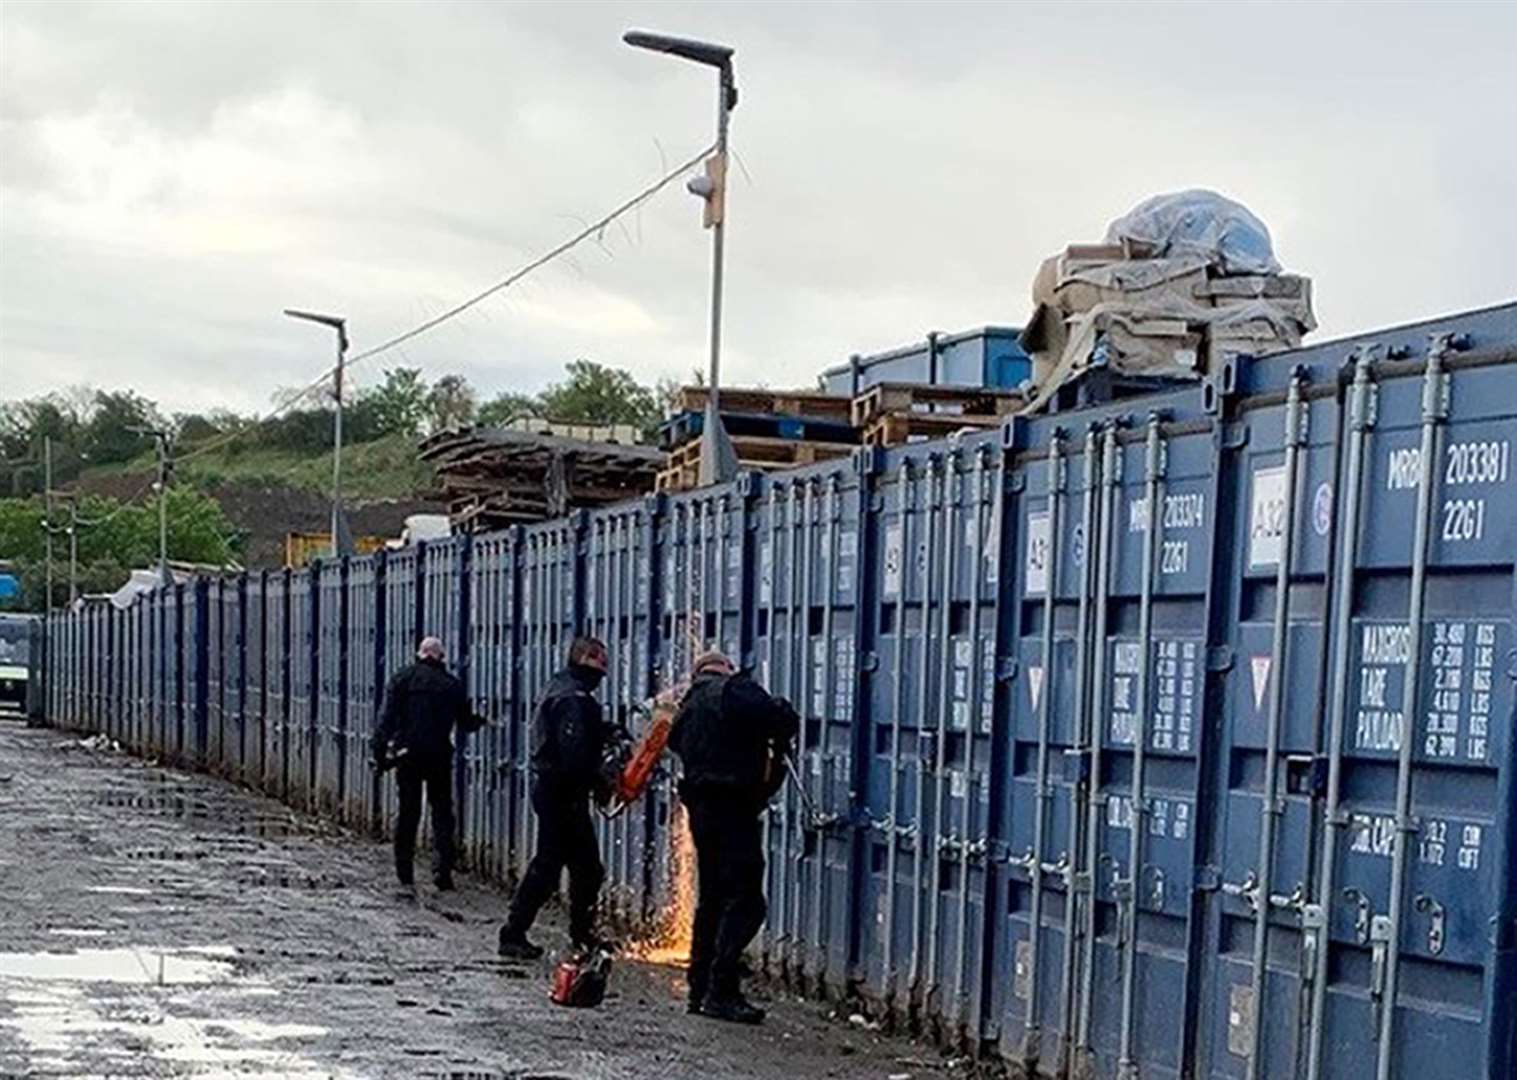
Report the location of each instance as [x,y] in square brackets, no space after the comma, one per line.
[593,229]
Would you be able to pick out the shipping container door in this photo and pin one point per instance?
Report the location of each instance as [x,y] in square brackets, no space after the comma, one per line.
[255,672]
[618,595]
[300,725]
[445,570]
[330,745]
[927,729]
[402,633]
[1130,990]
[234,676]
[1281,469]
[806,625]
[1411,971]
[549,618]
[492,662]
[276,685]
[1051,583]
[215,675]
[361,700]
[701,580]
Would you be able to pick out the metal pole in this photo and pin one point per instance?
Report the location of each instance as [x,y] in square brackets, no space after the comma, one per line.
[1362,422]
[337,445]
[1435,411]
[47,516]
[163,503]
[73,553]
[718,232]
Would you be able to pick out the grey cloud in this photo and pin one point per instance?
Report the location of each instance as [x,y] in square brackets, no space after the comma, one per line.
[172,175]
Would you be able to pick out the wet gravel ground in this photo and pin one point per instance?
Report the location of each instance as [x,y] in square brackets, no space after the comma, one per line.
[156,923]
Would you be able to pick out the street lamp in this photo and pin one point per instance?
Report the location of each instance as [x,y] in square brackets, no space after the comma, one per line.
[341,326]
[718,460]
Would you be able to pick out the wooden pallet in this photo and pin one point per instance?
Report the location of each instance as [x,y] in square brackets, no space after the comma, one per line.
[758,451]
[921,399]
[683,471]
[686,427]
[894,429]
[807,404]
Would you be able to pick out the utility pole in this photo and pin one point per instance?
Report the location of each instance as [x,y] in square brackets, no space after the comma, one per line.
[163,508]
[161,486]
[341,326]
[73,553]
[47,516]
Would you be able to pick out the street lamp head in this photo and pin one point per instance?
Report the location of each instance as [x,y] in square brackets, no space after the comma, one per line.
[335,322]
[702,52]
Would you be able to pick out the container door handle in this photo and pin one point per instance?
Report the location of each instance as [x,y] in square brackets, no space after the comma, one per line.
[1434,910]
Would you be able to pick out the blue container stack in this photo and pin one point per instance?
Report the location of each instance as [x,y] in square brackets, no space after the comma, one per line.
[1166,737]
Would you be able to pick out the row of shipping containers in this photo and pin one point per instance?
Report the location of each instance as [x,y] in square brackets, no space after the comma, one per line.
[1166,738]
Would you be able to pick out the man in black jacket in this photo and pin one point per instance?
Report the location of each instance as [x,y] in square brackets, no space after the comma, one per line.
[569,739]
[732,739]
[422,705]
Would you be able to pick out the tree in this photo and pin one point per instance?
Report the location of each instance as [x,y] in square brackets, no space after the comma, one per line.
[504,408]
[113,433]
[596,394]
[451,403]
[113,538]
[400,403]
[25,427]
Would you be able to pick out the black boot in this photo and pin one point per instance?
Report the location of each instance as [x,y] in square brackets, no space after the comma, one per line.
[444,882]
[733,1008]
[515,946]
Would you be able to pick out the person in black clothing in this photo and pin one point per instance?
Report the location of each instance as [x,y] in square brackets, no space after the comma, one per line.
[422,705]
[732,739]
[569,741]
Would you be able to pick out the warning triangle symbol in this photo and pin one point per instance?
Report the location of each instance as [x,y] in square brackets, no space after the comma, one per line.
[1261,666]
[1035,684]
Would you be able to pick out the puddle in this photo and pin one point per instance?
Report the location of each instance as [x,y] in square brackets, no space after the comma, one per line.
[72,931]
[147,967]
[120,890]
[61,1025]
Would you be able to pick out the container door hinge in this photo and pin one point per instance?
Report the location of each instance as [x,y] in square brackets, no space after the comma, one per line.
[1234,436]
[1219,658]
[1208,878]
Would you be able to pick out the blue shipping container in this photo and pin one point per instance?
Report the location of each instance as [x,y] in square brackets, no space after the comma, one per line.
[1169,737]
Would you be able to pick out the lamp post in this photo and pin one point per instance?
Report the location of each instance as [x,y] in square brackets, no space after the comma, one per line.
[341,326]
[718,460]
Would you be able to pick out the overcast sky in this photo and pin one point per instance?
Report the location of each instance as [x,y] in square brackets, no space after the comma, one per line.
[172,175]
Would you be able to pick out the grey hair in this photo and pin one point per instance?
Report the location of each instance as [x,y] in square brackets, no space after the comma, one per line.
[430,649]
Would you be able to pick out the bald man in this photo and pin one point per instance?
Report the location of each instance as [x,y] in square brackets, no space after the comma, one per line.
[422,705]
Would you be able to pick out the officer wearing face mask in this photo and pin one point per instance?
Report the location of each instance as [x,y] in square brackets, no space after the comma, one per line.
[569,739]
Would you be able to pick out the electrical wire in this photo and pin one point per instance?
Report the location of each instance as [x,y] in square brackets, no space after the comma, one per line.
[595,229]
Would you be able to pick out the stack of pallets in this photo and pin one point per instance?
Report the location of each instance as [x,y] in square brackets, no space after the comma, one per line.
[769,429]
[889,414]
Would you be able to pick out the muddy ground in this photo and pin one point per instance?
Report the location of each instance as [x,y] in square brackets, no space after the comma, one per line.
[156,923]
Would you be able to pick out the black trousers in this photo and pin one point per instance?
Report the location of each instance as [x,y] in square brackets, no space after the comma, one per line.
[565,839]
[437,778]
[730,908]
